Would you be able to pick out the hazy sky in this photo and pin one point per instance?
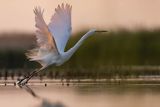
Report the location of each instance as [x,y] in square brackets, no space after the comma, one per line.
[17,15]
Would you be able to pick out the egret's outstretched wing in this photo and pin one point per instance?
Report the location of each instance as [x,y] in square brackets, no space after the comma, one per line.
[45,41]
[60,26]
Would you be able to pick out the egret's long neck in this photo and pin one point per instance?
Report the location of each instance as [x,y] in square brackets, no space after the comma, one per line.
[71,51]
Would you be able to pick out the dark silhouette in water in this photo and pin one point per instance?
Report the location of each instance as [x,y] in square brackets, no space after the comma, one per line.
[44,102]
[29,90]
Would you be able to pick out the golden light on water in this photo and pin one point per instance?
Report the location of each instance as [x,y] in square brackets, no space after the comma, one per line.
[17,15]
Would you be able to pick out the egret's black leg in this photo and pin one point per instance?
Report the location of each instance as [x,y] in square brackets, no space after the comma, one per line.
[32,74]
[25,80]
[20,81]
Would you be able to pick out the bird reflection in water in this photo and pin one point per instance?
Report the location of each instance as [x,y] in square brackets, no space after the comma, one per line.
[44,102]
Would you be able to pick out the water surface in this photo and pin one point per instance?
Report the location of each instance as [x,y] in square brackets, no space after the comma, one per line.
[82,96]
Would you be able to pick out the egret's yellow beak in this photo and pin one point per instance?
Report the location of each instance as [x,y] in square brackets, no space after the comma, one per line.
[101,31]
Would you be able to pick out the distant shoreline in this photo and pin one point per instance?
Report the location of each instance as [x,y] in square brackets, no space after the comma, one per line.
[138,81]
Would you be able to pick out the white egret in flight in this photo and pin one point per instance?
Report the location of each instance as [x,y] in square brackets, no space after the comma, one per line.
[52,39]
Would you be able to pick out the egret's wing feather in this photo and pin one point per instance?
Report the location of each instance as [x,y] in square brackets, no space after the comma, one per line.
[45,41]
[60,26]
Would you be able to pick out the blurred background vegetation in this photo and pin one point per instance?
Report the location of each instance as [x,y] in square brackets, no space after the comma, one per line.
[120,53]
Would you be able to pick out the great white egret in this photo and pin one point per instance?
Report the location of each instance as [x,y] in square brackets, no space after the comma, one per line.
[52,39]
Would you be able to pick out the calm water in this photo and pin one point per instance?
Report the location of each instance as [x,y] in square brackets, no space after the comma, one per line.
[82,96]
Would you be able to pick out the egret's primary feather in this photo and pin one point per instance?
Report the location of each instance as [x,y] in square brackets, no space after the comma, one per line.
[60,26]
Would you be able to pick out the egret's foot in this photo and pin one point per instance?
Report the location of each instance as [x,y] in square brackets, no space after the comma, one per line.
[22,82]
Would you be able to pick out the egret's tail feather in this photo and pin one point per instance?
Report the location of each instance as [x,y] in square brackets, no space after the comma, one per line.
[31,54]
[34,55]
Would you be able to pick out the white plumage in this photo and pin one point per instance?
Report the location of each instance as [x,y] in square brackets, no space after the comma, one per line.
[52,39]
[60,26]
